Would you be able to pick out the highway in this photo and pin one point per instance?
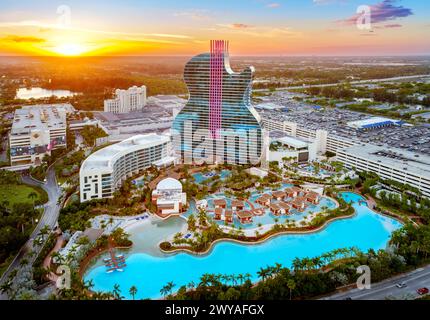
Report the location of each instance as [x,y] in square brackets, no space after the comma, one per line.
[387,289]
[351,82]
[49,218]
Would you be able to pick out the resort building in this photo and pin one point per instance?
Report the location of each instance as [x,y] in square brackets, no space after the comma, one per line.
[312,197]
[275,209]
[292,148]
[237,205]
[228,216]
[133,99]
[278,195]
[299,203]
[168,197]
[245,216]
[220,203]
[291,193]
[264,200]
[322,140]
[390,163]
[36,131]
[218,213]
[103,172]
[285,207]
[218,124]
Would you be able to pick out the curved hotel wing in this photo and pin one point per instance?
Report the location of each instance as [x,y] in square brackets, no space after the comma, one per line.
[219,109]
[103,172]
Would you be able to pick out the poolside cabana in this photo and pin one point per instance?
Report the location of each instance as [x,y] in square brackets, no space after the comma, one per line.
[285,207]
[297,190]
[313,197]
[278,195]
[220,203]
[218,213]
[237,205]
[264,200]
[290,193]
[245,216]
[275,209]
[228,214]
[299,204]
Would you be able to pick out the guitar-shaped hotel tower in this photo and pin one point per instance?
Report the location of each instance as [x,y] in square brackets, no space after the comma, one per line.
[219,108]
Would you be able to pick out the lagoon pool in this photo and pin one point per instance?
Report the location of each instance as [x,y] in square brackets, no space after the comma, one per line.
[149,271]
[201,177]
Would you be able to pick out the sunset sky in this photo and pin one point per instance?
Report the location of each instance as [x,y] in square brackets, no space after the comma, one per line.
[184,27]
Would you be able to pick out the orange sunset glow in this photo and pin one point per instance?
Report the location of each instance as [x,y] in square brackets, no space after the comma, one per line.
[287,28]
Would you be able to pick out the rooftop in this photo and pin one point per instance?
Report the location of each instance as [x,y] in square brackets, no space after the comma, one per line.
[373,122]
[394,157]
[169,184]
[38,117]
[293,142]
[104,158]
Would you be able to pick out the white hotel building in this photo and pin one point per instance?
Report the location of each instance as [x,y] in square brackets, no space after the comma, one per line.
[133,99]
[389,163]
[103,172]
[36,131]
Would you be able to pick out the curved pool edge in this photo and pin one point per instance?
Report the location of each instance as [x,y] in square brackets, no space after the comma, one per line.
[269,237]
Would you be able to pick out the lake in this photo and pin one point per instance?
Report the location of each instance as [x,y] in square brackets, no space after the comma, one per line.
[39,93]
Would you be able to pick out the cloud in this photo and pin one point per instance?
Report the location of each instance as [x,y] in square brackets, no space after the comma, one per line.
[195,14]
[322,2]
[386,10]
[240,26]
[259,31]
[273,5]
[24,39]
[395,25]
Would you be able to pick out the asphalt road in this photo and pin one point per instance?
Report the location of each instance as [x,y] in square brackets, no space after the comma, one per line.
[49,218]
[387,289]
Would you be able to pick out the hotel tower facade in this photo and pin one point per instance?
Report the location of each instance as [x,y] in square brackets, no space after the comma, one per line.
[218,124]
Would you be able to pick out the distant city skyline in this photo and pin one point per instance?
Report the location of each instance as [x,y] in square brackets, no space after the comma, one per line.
[254,27]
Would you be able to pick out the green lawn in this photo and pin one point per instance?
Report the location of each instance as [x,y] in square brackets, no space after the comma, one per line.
[19,193]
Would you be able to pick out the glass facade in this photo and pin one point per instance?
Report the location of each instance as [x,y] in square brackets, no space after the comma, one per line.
[218,124]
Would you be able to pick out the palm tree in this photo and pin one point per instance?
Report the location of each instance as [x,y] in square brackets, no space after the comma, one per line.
[32,196]
[117,292]
[170,286]
[191,285]
[133,291]
[44,231]
[241,278]
[6,287]
[87,285]
[291,284]
[164,290]
[59,259]
[263,273]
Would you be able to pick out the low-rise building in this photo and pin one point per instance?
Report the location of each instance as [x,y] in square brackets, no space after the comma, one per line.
[36,131]
[168,197]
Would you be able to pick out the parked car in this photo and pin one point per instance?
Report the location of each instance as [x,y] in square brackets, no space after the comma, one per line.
[422,291]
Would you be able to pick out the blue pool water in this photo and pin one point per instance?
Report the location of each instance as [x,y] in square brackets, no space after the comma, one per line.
[149,272]
[200,177]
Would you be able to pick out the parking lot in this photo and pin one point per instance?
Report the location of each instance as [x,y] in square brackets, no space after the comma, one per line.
[308,116]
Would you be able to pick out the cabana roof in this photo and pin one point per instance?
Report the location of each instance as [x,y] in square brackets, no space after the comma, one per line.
[220,202]
[244,214]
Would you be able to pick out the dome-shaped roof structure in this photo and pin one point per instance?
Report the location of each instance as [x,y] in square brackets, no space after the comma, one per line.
[169,184]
